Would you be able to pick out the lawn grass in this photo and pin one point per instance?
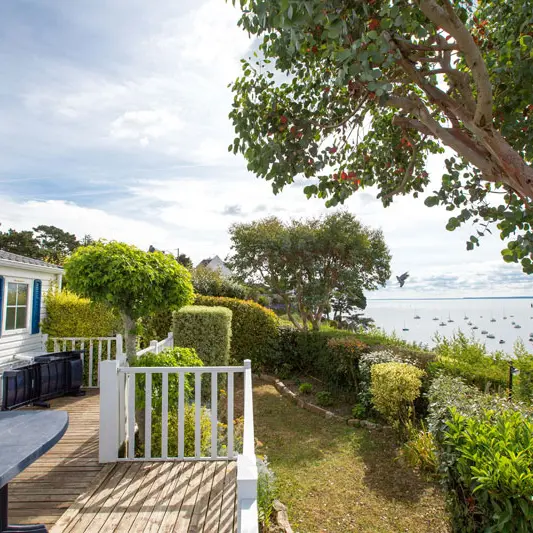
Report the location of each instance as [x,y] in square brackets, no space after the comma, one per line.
[335,479]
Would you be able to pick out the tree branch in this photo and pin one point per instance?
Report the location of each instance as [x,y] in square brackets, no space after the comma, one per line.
[409,170]
[446,18]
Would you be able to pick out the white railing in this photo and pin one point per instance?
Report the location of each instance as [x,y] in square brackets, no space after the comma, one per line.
[118,417]
[247,463]
[97,349]
[157,346]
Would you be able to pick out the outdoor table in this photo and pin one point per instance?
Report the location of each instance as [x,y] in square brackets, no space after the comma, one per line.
[24,437]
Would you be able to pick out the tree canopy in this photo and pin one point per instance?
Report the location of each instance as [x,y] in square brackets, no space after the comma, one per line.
[305,261]
[55,244]
[354,94]
[134,282]
[48,243]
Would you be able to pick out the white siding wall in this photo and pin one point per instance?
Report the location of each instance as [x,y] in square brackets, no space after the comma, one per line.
[12,344]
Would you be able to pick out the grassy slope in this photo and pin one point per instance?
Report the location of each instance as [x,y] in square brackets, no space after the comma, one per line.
[336,479]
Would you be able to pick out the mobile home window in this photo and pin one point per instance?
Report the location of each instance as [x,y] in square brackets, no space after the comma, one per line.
[17,306]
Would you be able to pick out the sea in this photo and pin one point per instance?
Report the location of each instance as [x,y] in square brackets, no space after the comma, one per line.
[508,319]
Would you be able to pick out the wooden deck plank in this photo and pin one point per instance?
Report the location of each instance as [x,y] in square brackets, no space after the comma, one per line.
[215,499]
[41,493]
[202,501]
[158,514]
[228,517]
[176,499]
[189,501]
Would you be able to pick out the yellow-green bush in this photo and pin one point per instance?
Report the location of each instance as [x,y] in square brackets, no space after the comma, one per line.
[68,315]
[207,330]
[394,388]
[254,329]
[188,432]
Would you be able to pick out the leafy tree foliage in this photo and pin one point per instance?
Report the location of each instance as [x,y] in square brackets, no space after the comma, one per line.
[184,260]
[20,242]
[356,94]
[134,282]
[55,244]
[47,243]
[209,282]
[303,262]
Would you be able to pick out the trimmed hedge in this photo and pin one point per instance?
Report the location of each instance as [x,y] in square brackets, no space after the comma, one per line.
[207,330]
[68,315]
[254,329]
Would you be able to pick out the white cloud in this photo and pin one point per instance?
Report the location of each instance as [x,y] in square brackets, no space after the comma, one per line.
[145,125]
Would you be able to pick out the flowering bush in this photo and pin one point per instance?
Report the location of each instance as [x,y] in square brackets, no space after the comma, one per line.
[394,388]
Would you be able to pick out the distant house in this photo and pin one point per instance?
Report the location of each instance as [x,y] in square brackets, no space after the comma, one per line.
[215,263]
[23,282]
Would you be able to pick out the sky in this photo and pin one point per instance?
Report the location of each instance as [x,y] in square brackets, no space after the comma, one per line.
[114,123]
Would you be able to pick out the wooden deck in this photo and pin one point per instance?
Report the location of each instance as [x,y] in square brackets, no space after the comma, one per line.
[69,491]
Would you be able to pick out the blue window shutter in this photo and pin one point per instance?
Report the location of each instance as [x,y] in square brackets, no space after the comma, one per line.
[1,303]
[36,307]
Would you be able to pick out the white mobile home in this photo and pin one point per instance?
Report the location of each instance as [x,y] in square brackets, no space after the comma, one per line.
[23,282]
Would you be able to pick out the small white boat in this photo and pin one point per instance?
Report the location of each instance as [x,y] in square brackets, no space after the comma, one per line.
[470,323]
[493,319]
[518,326]
[484,332]
[475,327]
[417,317]
[442,324]
[502,341]
[490,336]
[435,318]
[513,322]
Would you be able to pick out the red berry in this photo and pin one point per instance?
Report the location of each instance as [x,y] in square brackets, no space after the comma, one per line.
[283,119]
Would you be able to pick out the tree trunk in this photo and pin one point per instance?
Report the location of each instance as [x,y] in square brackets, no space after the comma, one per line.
[130,336]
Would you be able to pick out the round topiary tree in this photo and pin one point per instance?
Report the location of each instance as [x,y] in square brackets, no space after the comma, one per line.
[134,282]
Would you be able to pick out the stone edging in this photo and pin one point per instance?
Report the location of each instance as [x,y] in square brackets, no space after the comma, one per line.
[285,391]
[281,518]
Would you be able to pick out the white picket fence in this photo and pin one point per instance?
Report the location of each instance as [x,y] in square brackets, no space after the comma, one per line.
[96,350]
[118,423]
[158,346]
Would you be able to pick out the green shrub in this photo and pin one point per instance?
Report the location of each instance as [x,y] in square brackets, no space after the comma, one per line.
[209,282]
[394,388]
[342,367]
[420,451]
[254,329]
[523,387]
[467,358]
[379,338]
[324,398]
[306,351]
[188,432]
[171,357]
[267,492]
[489,480]
[207,330]
[305,388]
[154,327]
[359,410]
[68,315]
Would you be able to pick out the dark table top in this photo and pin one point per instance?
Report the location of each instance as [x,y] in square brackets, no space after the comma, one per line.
[25,436]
